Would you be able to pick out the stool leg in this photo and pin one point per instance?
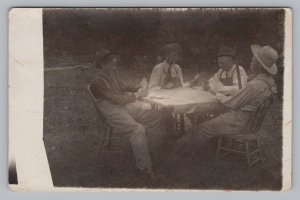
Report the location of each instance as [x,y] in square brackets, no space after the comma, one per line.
[260,150]
[182,124]
[102,143]
[219,148]
[177,125]
[247,153]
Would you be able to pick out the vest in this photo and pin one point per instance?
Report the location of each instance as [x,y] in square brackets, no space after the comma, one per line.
[169,79]
[227,81]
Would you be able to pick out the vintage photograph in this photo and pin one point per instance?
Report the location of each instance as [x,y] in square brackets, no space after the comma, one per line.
[164,98]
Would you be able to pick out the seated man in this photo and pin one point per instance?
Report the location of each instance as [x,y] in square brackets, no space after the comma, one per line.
[140,125]
[167,74]
[242,104]
[230,78]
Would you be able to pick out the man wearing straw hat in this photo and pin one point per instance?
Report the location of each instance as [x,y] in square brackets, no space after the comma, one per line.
[242,104]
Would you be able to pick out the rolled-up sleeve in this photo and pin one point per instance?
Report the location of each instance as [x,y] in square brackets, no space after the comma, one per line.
[154,80]
[214,82]
[215,77]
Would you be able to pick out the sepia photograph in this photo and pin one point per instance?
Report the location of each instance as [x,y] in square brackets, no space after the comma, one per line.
[165,98]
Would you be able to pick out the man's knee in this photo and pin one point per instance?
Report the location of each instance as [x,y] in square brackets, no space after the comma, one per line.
[138,133]
[139,129]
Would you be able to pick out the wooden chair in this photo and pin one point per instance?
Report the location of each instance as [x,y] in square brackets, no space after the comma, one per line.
[110,142]
[247,142]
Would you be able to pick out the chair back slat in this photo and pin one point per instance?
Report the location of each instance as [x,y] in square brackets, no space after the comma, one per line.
[111,142]
[255,121]
[94,100]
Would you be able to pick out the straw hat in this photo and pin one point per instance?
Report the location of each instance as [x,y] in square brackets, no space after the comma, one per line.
[266,56]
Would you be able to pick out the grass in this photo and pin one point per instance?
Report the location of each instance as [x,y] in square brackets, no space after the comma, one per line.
[72,139]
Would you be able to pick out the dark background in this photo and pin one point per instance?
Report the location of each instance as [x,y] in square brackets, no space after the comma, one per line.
[71,136]
[73,33]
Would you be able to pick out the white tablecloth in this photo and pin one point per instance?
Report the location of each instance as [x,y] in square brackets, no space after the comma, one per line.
[183,100]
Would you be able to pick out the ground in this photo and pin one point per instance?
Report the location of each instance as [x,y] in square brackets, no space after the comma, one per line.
[72,137]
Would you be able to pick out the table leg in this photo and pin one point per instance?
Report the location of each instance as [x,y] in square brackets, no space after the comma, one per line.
[176,125]
[154,107]
[182,124]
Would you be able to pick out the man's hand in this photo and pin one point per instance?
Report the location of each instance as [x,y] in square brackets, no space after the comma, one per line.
[143,84]
[187,84]
[141,93]
[193,82]
[206,87]
[215,85]
[221,96]
[170,85]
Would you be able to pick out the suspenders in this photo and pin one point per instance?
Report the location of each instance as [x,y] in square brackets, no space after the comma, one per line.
[238,76]
[231,78]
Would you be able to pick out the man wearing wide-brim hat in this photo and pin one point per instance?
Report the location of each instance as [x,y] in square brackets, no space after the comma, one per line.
[243,104]
[167,74]
[230,78]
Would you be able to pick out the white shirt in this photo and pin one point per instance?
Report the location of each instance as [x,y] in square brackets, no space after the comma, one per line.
[159,73]
[217,86]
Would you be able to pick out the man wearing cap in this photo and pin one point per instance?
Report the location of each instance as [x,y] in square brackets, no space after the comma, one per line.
[242,104]
[140,125]
[167,74]
[230,78]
